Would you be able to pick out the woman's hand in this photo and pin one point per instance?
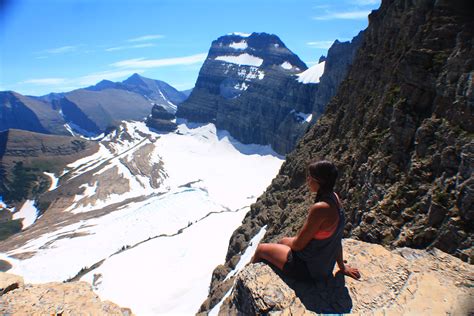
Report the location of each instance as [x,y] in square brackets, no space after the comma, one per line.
[351,272]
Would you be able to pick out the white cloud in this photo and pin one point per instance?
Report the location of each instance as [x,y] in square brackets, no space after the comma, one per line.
[45,81]
[350,15]
[320,44]
[104,75]
[145,38]
[142,63]
[111,49]
[60,50]
[65,84]
[366,2]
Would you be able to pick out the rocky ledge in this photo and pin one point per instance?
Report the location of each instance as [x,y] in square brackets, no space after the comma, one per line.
[74,298]
[404,281]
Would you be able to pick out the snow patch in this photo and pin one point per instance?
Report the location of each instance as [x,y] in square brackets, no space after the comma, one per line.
[312,74]
[286,65]
[54,181]
[241,86]
[250,73]
[302,117]
[239,45]
[240,34]
[28,213]
[243,59]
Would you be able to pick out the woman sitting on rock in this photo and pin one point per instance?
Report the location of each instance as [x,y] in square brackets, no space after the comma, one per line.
[317,247]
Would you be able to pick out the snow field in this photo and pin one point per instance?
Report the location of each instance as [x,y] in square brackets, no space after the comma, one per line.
[60,259]
[171,274]
[168,275]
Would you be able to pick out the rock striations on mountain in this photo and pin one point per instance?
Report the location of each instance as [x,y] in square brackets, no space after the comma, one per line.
[400,130]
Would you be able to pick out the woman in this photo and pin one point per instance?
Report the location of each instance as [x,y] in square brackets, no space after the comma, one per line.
[317,247]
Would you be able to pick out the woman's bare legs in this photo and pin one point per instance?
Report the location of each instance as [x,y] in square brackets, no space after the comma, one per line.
[276,254]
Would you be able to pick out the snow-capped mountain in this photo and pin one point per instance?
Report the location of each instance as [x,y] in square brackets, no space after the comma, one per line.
[247,86]
[149,212]
[261,92]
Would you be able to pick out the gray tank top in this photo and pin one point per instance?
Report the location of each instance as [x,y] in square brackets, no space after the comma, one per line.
[320,254]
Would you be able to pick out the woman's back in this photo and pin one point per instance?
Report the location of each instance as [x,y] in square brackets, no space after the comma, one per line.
[320,253]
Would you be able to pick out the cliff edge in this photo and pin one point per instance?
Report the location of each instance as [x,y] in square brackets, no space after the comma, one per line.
[54,298]
[398,282]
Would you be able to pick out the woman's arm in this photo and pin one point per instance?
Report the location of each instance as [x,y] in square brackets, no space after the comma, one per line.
[287,241]
[317,214]
[345,268]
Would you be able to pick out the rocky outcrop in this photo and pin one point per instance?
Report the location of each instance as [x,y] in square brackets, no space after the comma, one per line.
[9,282]
[398,130]
[161,119]
[53,299]
[247,86]
[400,282]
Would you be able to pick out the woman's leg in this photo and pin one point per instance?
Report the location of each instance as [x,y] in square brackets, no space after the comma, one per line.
[276,254]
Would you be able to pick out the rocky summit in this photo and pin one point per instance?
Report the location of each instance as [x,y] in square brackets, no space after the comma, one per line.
[400,131]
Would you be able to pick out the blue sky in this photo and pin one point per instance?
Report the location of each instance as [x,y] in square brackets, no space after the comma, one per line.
[61,45]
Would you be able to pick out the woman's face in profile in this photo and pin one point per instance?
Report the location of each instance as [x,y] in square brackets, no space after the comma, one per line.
[313,184]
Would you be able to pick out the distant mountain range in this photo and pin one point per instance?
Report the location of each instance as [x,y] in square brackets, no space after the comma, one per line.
[88,111]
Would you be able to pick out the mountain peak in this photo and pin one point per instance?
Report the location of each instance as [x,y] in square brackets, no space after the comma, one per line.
[255,49]
[134,79]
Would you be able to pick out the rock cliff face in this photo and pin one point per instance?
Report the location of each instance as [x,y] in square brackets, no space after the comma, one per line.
[401,282]
[400,130]
[247,87]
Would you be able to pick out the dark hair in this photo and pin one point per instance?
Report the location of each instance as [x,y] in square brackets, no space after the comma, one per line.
[325,173]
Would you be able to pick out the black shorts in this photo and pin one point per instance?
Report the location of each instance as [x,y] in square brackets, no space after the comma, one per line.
[296,268]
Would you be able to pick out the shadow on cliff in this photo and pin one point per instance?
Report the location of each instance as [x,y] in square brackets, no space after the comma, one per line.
[327,297]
